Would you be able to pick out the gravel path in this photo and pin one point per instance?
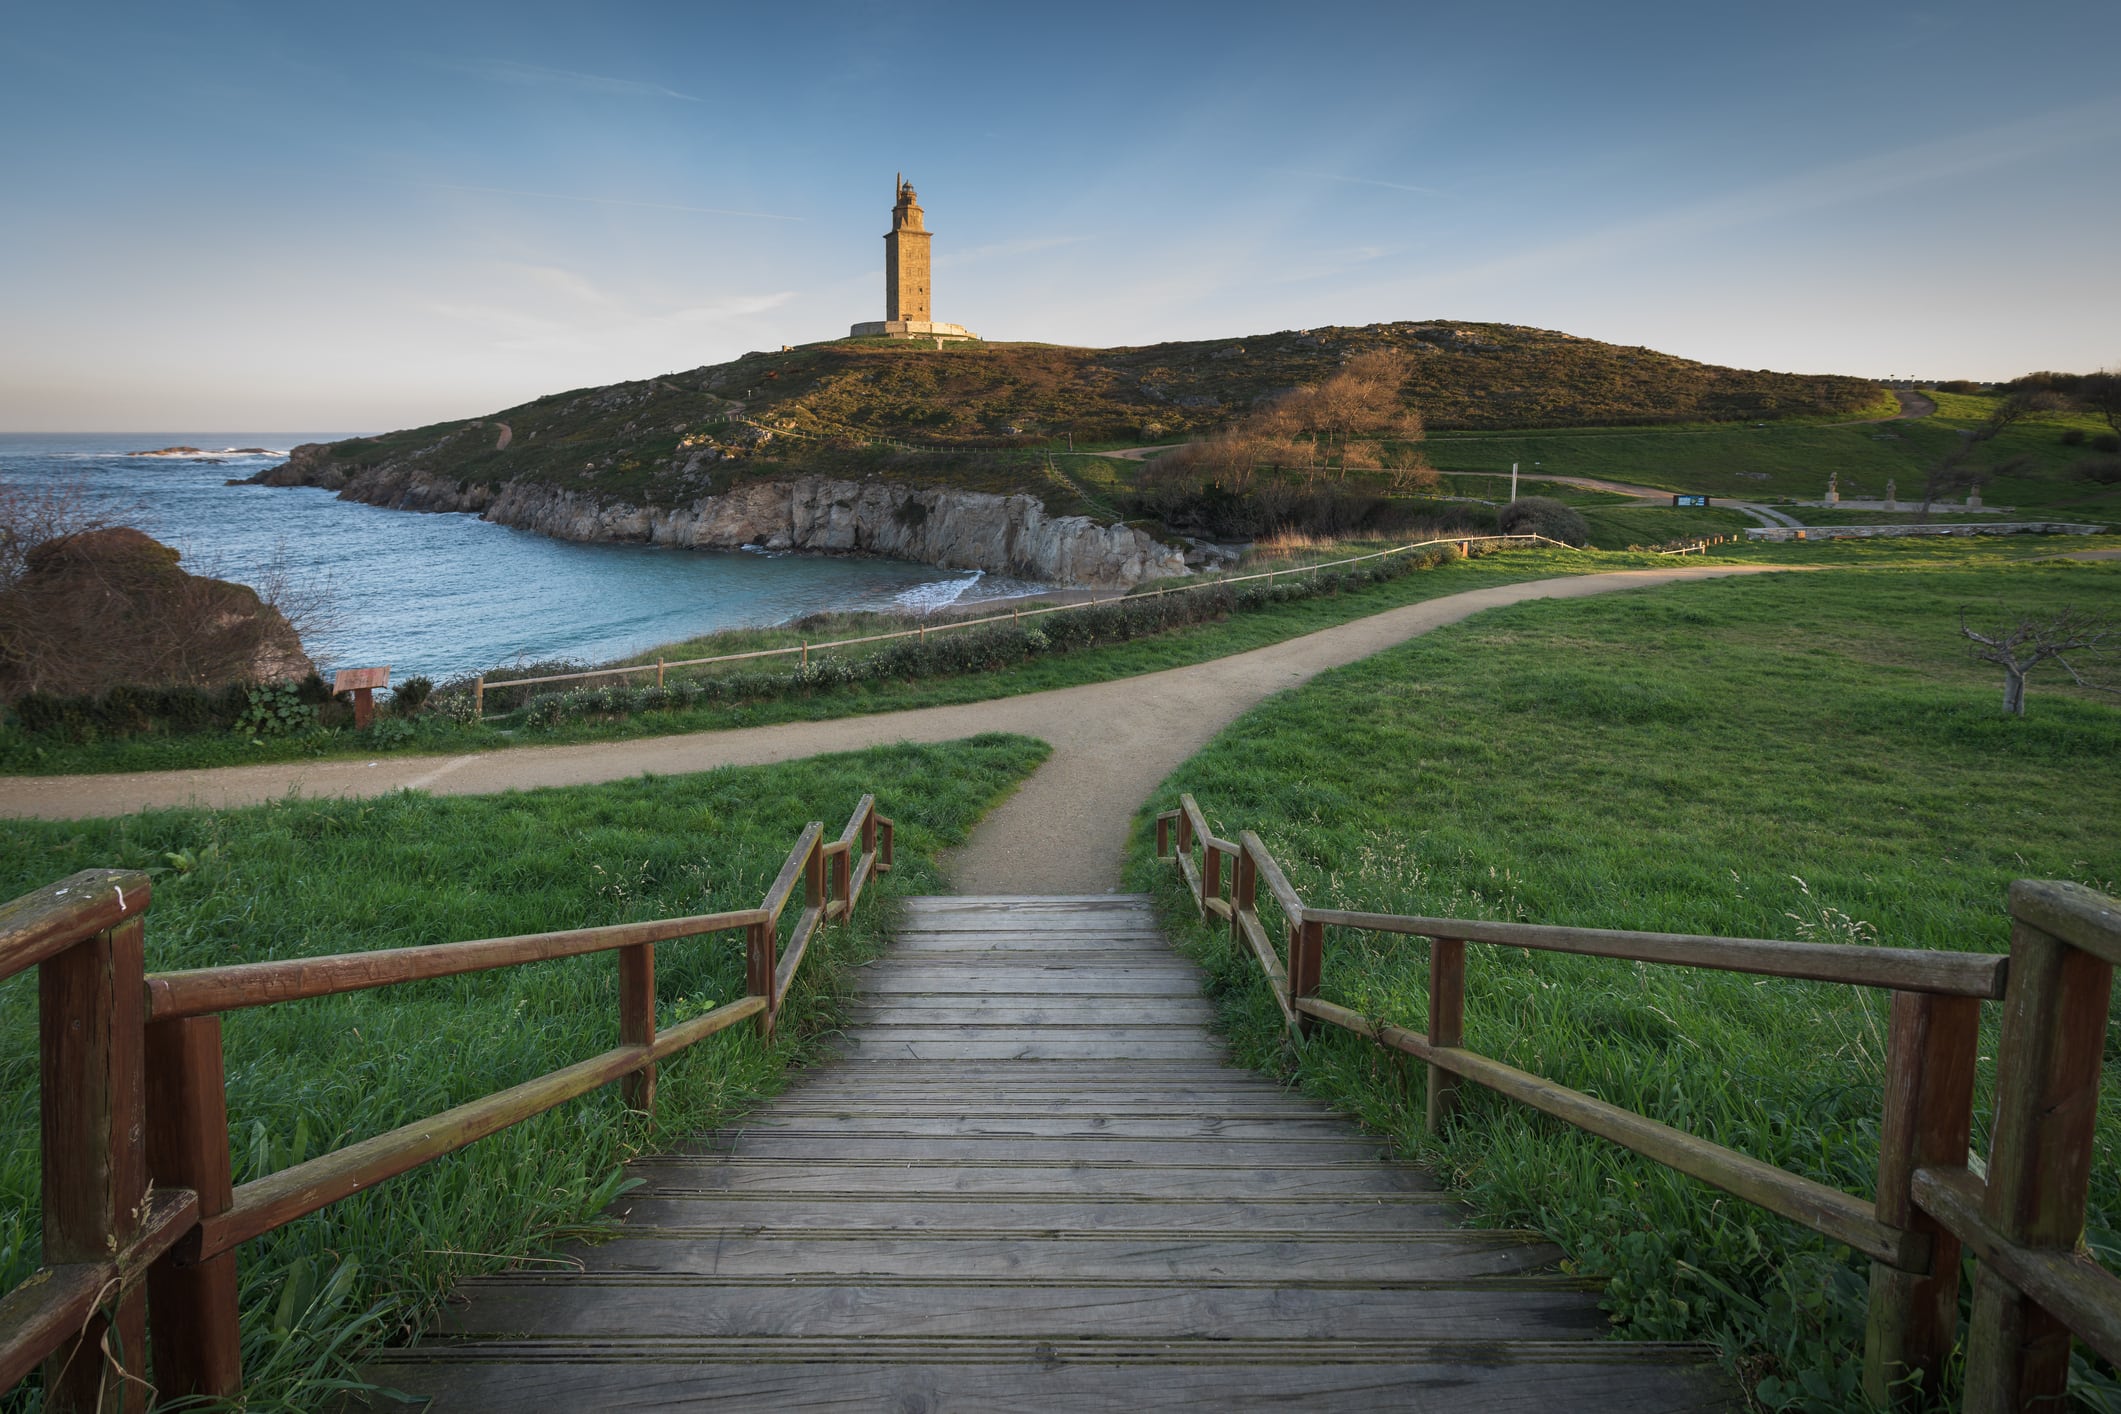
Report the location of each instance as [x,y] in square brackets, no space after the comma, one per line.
[1064,831]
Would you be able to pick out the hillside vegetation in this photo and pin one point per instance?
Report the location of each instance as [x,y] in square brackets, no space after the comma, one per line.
[981,415]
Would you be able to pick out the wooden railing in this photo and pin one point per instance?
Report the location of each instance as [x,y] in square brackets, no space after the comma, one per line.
[140,1214]
[802,651]
[2021,1215]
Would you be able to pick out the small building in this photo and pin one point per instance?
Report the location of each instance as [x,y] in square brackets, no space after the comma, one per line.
[908,313]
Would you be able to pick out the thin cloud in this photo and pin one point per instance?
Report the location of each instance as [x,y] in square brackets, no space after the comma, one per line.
[537,76]
[609,201]
[1360,181]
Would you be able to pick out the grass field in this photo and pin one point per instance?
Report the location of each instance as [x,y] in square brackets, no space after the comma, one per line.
[303,878]
[1806,756]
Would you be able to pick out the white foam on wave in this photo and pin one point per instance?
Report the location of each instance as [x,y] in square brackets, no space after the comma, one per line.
[937,594]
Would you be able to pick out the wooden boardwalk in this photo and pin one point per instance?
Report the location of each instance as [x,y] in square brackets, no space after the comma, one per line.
[1033,1182]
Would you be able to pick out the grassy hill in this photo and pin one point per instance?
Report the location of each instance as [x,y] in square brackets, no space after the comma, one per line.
[983,415]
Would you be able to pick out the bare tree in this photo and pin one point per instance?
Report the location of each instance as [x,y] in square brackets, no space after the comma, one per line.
[2101,393]
[1955,472]
[2025,641]
[33,512]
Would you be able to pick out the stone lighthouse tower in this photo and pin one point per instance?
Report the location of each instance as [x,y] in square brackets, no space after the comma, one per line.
[906,260]
[907,311]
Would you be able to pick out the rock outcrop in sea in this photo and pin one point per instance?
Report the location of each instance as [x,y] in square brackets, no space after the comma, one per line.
[954,529]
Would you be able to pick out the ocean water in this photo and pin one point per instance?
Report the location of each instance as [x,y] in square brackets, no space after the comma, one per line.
[441,595]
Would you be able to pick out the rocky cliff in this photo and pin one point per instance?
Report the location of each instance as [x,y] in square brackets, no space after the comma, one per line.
[955,529]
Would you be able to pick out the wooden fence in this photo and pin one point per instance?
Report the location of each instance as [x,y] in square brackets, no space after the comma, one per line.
[2021,1217]
[141,1218]
[803,651]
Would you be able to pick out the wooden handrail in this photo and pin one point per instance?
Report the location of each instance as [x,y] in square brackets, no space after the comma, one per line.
[792,870]
[101,1013]
[2033,1287]
[1818,1207]
[2084,918]
[1952,974]
[46,923]
[301,1189]
[231,987]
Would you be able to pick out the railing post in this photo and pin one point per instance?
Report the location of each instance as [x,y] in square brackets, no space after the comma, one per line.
[1185,833]
[478,698]
[843,883]
[1163,837]
[1307,955]
[637,1020]
[2039,1169]
[884,856]
[1929,1109]
[1447,1023]
[869,830]
[814,877]
[91,1003]
[759,944]
[1211,876]
[196,1335]
[1244,897]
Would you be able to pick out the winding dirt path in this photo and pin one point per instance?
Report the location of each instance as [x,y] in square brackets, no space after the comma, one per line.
[1063,831]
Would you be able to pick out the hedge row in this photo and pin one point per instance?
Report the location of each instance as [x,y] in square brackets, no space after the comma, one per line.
[974,649]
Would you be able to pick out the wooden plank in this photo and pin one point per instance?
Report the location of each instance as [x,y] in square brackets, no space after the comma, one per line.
[195,1334]
[1163,1126]
[1929,1106]
[637,1020]
[972,1148]
[903,1011]
[46,922]
[1075,1028]
[696,1214]
[1591,1377]
[1522,1308]
[1907,970]
[46,1311]
[2084,1296]
[2041,1145]
[1435,1256]
[2083,918]
[1447,1023]
[861,1050]
[1816,1206]
[1078,1178]
[91,1103]
[207,990]
[798,943]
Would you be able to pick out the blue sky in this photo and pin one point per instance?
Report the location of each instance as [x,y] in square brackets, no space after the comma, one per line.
[287,217]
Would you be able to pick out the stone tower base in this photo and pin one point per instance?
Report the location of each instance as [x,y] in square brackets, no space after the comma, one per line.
[909,329]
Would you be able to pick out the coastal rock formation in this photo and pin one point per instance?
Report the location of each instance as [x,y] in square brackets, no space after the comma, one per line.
[954,529]
[105,608]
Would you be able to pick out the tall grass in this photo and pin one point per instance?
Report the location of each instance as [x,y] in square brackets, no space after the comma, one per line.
[1807,756]
[300,878]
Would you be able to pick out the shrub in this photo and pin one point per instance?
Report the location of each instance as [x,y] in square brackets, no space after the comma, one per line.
[409,696]
[2073,436]
[1543,515]
[2107,442]
[2105,471]
[275,709]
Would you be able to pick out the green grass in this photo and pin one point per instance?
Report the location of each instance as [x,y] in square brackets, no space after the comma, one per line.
[22,755]
[1791,459]
[1807,756]
[300,878]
